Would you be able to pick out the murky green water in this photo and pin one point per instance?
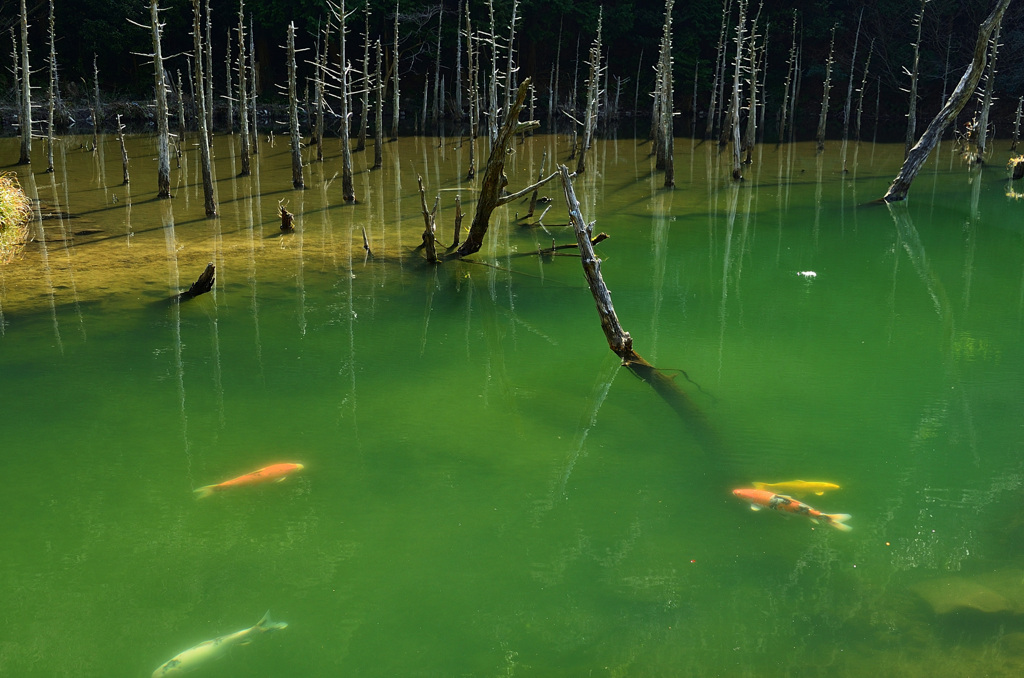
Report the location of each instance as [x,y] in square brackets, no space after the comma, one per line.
[486,492]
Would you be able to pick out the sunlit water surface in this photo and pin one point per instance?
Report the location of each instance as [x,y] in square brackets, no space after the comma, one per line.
[486,491]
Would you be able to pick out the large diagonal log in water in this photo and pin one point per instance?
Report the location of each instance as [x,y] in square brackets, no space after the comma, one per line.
[619,340]
[957,100]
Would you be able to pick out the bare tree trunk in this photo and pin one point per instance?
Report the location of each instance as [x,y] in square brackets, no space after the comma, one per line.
[51,100]
[293,113]
[510,69]
[243,97]
[436,112]
[986,103]
[957,100]
[823,118]
[321,74]
[124,151]
[208,74]
[394,75]
[750,132]
[912,112]
[472,58]
[25,118]
[458,66]
[348,193]
[1016,124]
[163,172]
[97,108]
[863,90]
[590,117]
[228,84]
[364,121]
[494,179]
[429,226]
[719,69]
[849,85]
[255,146]
[16,69]
[734,106]
[378,144]
[667,110]
[210,200]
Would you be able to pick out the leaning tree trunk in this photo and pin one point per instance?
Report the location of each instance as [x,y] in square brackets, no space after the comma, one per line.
[25,121]
[957,100]
[494,179]
[163,166]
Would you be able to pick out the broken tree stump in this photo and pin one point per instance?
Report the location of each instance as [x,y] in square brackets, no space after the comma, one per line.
[202,285]
[287,219]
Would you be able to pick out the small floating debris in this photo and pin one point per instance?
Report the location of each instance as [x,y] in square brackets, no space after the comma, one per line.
[807,275]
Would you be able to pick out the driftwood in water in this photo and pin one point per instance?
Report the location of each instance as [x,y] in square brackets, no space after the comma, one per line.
[202,285]
[957,100]
[457,230]
[287,218]
[619,340]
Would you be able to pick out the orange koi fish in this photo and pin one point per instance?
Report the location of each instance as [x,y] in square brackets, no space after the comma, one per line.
[760,499]
[273,473]
[797,488]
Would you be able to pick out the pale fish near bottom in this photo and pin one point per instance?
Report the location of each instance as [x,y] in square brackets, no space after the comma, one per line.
[208,650]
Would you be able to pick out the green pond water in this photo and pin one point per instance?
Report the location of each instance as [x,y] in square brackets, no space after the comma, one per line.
[486,491]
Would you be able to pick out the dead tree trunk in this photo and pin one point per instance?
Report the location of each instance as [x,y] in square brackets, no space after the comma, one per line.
[590,117]
[378,131]
[849,85]
[51,99]
[863,90]
[494,179]
[228,84]
[293,113]
[986,102]
[97,109]
[719,69]
[243,97]
[364,117]
[784,108]
[208,73]
[163,171]
[957,100]
[734,106]
[394,75]
[1016,124]
[210,200]
[619,340]
[750,132]
[202,285]
[25,118]
[823,118]
[472,57]
[912,112]
[430,227]
[348,192]
[254,147]
[124,151]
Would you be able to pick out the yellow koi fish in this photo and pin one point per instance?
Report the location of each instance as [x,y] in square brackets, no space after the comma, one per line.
[797,487]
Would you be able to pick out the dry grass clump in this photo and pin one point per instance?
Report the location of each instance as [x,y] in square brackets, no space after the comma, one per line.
[15,210]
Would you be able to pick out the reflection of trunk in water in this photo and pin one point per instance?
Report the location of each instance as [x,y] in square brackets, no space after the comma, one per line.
[174,283]
[44,255]
[69,243]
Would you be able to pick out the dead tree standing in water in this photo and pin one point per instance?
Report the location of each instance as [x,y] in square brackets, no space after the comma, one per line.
[25,117]
[378,131]
[163,171]
[364,117]
[786,88]
[494,179]
[210,200]
[243,98]
[590,117]
[912,113]
[986,102]
[734,106]
[51,100]
[667,114]
[394,75]
[293,113]
[348,192]
[823,118]
[957,100]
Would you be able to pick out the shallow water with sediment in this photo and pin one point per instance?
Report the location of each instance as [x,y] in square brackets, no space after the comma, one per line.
[485,490]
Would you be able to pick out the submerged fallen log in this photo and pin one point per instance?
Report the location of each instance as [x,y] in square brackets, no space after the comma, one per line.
[202,285]
[619,340]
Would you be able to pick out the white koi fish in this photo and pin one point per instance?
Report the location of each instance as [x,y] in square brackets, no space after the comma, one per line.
[216,648]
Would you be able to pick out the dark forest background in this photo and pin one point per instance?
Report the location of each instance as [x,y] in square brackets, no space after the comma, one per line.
[632,29]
